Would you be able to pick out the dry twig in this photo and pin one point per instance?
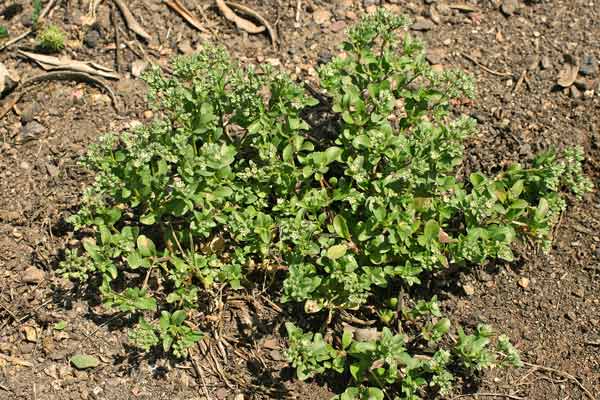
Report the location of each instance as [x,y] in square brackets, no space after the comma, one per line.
[180,9]
[90,18]
[131,21]
[257,16]
[298,9]
[240,22]
[55,76]
[483,67]
[113,17]
[505,395]
[200,375]
[565,375]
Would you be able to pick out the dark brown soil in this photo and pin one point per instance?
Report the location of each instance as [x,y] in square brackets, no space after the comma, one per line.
[548,304]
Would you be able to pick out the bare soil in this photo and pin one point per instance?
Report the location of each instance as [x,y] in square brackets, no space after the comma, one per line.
[548,304]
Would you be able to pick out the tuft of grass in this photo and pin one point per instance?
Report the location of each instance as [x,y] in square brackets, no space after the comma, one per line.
[51,39]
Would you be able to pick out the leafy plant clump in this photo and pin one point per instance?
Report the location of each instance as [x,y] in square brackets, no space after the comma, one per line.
[349,202]
[51,39]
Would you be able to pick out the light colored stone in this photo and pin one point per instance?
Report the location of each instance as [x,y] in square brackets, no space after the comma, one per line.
[33,275]
[321,16]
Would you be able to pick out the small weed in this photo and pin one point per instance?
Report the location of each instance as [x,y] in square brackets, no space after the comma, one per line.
[232,183]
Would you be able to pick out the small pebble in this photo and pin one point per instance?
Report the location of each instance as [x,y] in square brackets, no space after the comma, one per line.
[33,275]
[524,282]
[32,130]
[509,7]
[574,92]
[26,20]
[469,289]
[589,66]
[321,16]
[545,62]
[29,111]
[91,38]
[337,26]
[422,24]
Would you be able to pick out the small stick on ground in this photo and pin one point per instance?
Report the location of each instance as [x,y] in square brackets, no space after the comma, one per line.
[566,375]
[113,17]
[90,18]
[200,375]
[184,13]
[131,21]
[505,395]
[64,75]
[483,67]
[240,22]
[204,17]
[258,17]
[298,10]
[520,81]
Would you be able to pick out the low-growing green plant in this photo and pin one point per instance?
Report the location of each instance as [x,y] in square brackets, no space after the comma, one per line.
[51,39]
[3,32]
[350,210]
[37,11]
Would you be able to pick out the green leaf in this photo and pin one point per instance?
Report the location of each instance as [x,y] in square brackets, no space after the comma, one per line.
[84,361]
[375,394]
[346,338]
[288,153]
[341,227]
[148,219]
[517,189]
[336,251]
[333,154]
[165,321]
[60,325]
[134,260]
[542,209]
[361,141]
[146,246]
[431,231]
[178,317]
